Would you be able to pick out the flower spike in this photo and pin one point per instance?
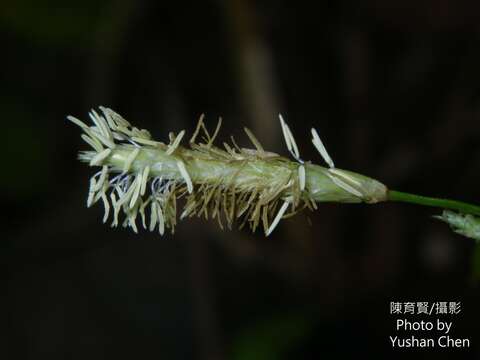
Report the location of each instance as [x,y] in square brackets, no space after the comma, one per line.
[141,176]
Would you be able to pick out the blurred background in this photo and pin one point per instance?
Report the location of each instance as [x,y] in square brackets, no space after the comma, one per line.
[393,88]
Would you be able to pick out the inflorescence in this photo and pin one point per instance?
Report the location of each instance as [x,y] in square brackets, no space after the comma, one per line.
[141,176]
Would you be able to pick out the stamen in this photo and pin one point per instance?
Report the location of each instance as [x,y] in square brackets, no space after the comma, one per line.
[154,185]
[186,177]
[130,140]
[129,160]
[278,217]
[285,133]
[117,118]
[228,148]
[144,141]
[290,140]
[132,218]
[97,159]
[107,207]
[153,215]
[235,144]
[116,209]
[91,193]
[321,148]
[95,144]
[125,197]
[101,124]
[136,193]
[197,129]
[161,220]
[344,185]
[174,145]
[141,210]
[125,182]
[116,179]
[345,176]
[107,142]
[101,180]
[254,140]
[296,153]
[77,122]
[109,119]
[217,129]
[146,171]
[301,177]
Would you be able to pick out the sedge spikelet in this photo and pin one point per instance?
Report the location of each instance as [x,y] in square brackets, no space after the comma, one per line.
[463,224]
[142,176]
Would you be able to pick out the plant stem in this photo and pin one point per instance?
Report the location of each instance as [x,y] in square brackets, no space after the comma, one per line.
[460,206]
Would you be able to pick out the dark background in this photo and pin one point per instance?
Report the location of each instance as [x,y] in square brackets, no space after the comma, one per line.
[393,88]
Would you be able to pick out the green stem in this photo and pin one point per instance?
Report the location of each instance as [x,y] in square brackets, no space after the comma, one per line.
[463,207]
